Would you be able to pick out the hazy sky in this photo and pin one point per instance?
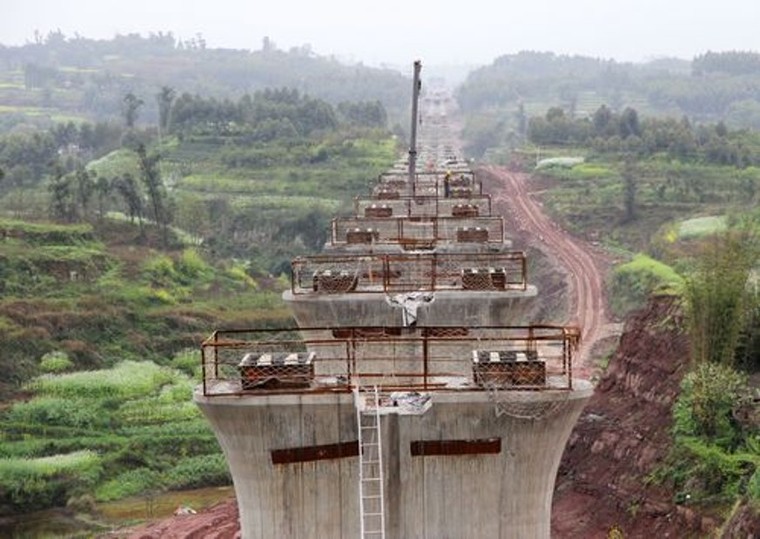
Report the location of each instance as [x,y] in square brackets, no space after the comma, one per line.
[398,31]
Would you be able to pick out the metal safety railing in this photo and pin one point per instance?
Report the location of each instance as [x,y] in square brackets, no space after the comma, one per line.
[424,206]
[393,273]
[318,360]
[413,231]
[395,184]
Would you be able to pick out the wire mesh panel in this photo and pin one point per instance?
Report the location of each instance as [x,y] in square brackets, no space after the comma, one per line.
[473,206]
[423,206]
[419,229]
[410,272]
[353,230]
[407,272]
[357,230]
[471,230]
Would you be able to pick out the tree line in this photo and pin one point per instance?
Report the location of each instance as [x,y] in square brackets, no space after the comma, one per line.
[610,132]
[27,159]
[268,114]
[271,127]
[710,88]
[77,74]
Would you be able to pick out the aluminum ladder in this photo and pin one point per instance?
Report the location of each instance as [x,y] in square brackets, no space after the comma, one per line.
[371,501]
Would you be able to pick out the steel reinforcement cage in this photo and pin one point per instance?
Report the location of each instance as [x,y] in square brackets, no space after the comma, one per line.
[394,273]
[319,360]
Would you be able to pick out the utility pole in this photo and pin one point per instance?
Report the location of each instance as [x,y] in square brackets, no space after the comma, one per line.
[415,101]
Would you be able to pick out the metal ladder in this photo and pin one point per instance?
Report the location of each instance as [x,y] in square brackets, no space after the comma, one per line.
[371,501]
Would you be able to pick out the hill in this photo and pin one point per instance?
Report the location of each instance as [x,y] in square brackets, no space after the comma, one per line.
[118,259]
[59,78]
[502,97]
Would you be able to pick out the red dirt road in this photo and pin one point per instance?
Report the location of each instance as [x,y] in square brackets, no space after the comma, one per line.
[512,199]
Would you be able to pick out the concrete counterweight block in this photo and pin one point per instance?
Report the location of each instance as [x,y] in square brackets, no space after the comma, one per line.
[464,210]
[360,235]
[378,211]
[472,235]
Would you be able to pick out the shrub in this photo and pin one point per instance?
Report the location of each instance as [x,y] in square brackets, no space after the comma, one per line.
[712,470]
[708,396]
[58,411]
[160,271]
[753,486]
[200,471]
[701,226]
[633,282]
[192,266]
[717,297]
[188,361]
[128,379]
[55,362]
[238,273]
[161,296]
[32,483]
[129,483]
[153,411]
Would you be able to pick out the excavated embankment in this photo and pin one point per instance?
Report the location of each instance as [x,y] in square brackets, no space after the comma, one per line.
[622,436]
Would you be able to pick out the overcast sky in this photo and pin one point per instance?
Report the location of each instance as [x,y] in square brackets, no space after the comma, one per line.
[399,31]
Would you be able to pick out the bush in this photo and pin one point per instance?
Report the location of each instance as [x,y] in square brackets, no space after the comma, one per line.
[709,394]
[712,471]
[753,486]
[160,272]
[129,483]
[188,361]
[152,411]
[717,298]
[128,379]
[55,362]
[200,471]
[33,483]
[59,411]
[633,282]
[192,266]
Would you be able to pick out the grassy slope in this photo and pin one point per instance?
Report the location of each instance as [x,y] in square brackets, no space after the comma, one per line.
[588,198]
[103,294]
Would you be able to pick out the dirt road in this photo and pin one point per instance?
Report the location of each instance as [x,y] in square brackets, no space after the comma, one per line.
[512,198]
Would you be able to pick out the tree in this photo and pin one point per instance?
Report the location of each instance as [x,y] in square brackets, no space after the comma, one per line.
[130,193]
[165,99]
[103,190]
[151,178]
[61,207]
[522,120]
[716,295]
[131,107]
[365,113]
[709,395]
[602,121]
[629,123]
[85,187]
[629,191]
